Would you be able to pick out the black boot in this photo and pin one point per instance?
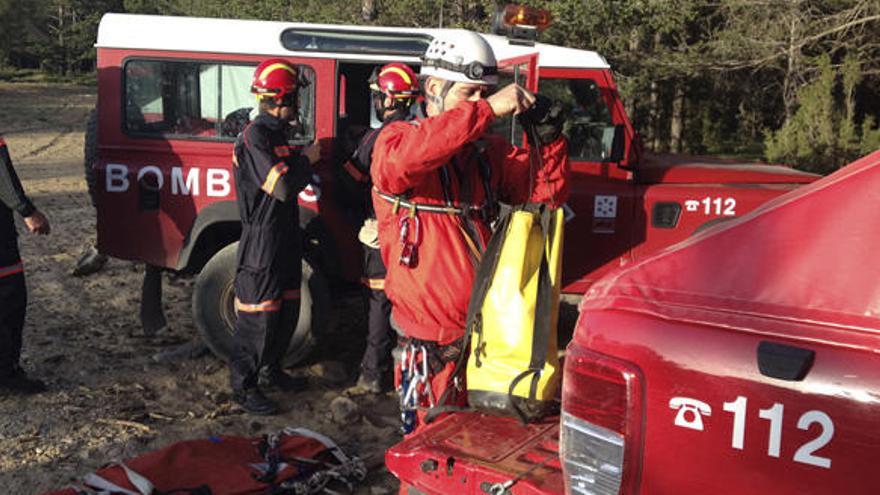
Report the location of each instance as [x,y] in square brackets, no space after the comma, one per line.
[277,378]
[254,401]
[366,386]
[18,382]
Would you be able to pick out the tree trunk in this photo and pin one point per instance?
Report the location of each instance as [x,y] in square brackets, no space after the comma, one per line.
[654,117]
[676,123]
[634,46]
[654,101]
[789,83]
[369,12]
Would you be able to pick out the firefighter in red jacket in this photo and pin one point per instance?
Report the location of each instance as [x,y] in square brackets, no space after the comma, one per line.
[268,178]
[394,89]
[13,292]
[436,184]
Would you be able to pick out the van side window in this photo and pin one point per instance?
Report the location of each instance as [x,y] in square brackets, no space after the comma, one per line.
[196,100]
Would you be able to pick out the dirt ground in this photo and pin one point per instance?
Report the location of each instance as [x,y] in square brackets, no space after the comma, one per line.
[109,397]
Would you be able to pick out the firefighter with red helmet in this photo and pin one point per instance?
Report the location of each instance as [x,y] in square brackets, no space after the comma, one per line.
[268,176]
[394,91]
[13,292]
[437,182]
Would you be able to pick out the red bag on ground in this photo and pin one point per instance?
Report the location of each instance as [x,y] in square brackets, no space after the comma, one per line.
[295,461]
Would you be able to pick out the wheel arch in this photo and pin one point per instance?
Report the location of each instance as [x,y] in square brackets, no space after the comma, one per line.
[219,224]
[216,226]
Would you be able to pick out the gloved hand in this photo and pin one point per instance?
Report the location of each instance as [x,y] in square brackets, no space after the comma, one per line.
[547,116]
[369,233]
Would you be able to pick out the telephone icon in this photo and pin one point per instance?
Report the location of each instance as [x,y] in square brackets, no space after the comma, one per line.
[690,412]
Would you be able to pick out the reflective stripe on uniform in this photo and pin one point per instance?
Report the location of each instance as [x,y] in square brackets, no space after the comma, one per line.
[374,283]
[282,151]
[354,172]
[291,294]
[275,173]
[262,307]
[7,271]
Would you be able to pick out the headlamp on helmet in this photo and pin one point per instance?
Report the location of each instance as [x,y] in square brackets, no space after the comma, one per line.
[460,56]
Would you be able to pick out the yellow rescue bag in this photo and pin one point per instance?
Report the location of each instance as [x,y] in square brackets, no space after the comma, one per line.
[513,366]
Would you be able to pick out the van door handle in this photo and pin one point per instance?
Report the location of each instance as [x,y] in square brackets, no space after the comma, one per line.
[784,362]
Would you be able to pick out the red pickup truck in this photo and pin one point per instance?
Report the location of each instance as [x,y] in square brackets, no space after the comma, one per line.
[745,359]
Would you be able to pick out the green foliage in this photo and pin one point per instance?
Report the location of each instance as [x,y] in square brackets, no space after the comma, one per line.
[870,136]
[801,76]
[821,136]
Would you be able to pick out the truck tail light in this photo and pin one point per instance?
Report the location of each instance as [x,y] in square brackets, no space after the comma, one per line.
[600,436]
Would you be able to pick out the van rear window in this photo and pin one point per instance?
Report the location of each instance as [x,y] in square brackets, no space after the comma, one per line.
[337,41]
[197,100]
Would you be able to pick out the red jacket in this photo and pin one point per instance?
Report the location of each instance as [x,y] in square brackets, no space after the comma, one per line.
[430,299]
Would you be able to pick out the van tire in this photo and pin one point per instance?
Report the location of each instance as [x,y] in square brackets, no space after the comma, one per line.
[214,313]
[90,152]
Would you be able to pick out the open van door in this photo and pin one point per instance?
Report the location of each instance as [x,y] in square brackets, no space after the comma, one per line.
[522,70]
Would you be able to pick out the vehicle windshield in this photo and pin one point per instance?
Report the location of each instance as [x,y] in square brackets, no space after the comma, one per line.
[588,126]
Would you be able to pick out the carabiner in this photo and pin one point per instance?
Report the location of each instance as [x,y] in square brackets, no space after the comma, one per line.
[403,356]
[410,238]
[412,361]
[424,352]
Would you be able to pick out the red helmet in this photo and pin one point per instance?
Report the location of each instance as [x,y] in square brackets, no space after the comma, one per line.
[396,80]
[275,78]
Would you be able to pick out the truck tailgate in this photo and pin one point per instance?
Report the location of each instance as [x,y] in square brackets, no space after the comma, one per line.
[466,453]
[718,421]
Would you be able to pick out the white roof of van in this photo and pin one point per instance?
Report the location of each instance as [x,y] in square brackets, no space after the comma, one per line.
[198,34]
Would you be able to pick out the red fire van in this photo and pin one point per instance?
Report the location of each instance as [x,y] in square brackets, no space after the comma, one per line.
[173,93]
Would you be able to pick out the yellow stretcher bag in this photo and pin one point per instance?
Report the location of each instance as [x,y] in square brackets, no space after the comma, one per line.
[513,366]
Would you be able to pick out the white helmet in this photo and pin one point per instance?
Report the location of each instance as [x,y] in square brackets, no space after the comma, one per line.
[460,56]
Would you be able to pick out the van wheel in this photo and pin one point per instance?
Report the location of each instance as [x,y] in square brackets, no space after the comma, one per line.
[90,152]
[214,307]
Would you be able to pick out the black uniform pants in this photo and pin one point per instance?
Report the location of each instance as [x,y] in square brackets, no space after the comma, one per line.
[381,338]
[267,291]
[13,294]
[13,305]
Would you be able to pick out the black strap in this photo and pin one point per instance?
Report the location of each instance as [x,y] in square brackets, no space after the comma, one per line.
[490,209]
[466,198]
[445,183]
[543,315]
[439,409]
[482,280]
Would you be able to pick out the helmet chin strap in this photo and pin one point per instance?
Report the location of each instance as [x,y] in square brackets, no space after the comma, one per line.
[438,101]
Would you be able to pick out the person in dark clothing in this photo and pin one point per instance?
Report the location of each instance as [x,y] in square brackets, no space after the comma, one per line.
[268,176]
[394,90]
[13,292]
